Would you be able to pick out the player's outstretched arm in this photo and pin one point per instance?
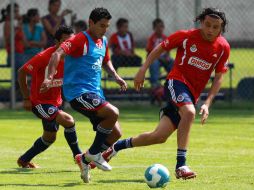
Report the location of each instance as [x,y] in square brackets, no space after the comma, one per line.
[140,76]
[51,68]
[22,79]
[204,111]
[109,68]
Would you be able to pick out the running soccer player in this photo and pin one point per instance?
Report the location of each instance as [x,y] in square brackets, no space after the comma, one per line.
[199,53]
[85,54]
[46,106]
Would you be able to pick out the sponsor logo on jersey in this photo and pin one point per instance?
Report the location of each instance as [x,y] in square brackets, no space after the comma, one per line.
[97,64]
[193,48]
[199,63]
[180,98]
[30,67]
[96,102]
[51,110]
[56,83]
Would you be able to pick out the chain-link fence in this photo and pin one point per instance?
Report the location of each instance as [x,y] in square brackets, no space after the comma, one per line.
[140,14]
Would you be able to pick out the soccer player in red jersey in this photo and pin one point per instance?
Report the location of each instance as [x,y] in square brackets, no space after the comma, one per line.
[46,106]
[199,53]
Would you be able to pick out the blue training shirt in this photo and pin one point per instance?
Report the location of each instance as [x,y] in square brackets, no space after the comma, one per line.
[82,74]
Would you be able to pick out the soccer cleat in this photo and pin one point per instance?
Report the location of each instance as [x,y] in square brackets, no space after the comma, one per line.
[23,164]
[184,172]
[99,161]
[107,155]
[84,168]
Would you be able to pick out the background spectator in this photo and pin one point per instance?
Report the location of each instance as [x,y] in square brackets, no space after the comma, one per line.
[52,21]
[80,26]
[122,45]
[35,37]
[19,37]
[165,60]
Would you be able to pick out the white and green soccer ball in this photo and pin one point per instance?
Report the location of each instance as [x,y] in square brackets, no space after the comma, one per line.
[157,176]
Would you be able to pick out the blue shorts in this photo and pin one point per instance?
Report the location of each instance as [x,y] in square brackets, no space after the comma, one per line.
[177,94]
[47,113]
[88,104]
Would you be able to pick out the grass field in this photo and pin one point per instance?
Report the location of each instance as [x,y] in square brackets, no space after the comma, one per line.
[221,152]
[242,58]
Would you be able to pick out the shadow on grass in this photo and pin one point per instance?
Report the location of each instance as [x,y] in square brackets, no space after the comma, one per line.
[28,171]
[72,184]
[122,181]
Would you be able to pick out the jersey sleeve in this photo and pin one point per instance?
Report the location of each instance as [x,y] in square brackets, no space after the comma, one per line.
[74,46]
[174,40]
[32,65]
[107,56]
[222,65]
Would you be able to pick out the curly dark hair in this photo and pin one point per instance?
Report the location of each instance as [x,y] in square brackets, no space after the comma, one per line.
[99,13]
[215,13]
[62,30]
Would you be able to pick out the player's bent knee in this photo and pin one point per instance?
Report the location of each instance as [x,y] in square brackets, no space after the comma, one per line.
[114,113]
[65,120]
[189,113]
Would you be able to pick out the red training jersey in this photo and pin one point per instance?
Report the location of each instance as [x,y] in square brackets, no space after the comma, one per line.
[196,58]
[121,43]
[153,41]
[36,68]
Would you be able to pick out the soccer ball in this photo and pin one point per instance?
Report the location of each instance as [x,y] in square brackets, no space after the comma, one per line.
[157,176]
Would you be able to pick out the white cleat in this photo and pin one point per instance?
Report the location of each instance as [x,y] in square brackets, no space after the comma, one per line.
[84,168]
[99,161]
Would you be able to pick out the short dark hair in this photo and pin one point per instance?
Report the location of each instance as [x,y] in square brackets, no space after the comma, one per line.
[62,30]
[53,1]
[157,21]
[99,13]
[215,13]
[81,24]
[121,21]
[30,13]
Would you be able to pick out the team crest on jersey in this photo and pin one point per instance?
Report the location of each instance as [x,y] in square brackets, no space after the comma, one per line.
[193,48]
[68,45]
[199,63]
[96,102]
[51,110]
[180,98]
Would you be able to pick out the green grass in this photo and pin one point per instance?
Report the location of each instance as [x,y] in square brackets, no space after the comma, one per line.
[243,59]
[221,152]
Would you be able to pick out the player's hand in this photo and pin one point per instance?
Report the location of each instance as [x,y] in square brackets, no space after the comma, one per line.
[139,80]
[204,111]
[27,105]
[45,85]
[121,82]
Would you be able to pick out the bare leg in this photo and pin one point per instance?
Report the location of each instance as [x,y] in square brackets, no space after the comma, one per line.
[159,135]
[187,113]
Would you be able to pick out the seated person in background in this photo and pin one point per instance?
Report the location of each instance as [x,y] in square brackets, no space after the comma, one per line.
[53,20]
[35,37]
[157,90]
[164,60]
[122,45]
[19,36]
[80,26]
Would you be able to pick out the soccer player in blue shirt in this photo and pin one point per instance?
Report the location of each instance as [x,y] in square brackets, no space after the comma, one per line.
[85,55]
